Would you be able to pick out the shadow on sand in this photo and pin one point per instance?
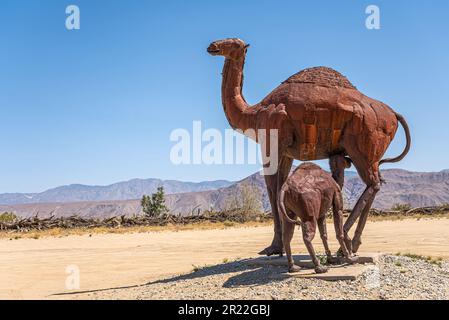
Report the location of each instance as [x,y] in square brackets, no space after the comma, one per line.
[253,271]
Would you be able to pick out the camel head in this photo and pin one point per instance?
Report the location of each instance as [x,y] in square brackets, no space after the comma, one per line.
[229,48]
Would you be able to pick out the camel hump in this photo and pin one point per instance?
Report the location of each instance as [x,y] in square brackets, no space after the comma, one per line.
[309,166]
[321,76]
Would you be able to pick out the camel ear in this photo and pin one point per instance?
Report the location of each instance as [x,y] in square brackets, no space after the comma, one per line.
[247,46]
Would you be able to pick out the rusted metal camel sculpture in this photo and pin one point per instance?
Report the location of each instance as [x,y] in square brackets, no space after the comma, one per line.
[308,193]
[319,114]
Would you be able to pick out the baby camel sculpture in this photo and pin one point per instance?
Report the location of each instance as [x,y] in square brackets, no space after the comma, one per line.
[319,114]
[308,193]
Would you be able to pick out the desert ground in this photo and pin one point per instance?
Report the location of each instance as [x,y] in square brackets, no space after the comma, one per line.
[121,265]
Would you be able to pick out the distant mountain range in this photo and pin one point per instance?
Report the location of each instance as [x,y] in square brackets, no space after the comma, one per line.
[132,189]
[401,187]
[414,188]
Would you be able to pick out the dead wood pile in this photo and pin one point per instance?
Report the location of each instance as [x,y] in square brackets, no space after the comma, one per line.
[52,222]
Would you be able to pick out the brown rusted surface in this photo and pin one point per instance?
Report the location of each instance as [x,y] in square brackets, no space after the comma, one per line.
[308,194]
[322,76]
[319,114]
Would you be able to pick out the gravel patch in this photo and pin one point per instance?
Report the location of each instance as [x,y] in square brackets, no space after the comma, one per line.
[393,277]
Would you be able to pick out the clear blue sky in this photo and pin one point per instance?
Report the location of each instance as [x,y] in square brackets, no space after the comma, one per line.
[96,106]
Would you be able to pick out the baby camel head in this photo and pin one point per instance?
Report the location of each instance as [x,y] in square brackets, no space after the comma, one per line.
[229,48]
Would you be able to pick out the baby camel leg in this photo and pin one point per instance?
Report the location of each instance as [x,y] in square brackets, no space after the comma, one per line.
[287,234]
[308,233]
[323,233]
[337,209]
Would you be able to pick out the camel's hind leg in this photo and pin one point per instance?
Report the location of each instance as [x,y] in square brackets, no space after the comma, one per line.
[356,241]
[370,176]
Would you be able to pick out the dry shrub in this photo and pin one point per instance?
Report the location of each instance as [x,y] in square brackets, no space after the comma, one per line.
[246,200]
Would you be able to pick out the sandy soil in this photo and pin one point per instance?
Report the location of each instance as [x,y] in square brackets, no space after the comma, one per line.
[36,269]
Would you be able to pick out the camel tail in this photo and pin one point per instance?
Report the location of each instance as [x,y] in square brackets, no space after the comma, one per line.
[408,138]
[281,208]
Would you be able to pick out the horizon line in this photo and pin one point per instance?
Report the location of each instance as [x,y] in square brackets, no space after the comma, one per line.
[183,181]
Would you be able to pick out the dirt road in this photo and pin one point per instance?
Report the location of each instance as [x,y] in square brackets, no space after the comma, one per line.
[36,269]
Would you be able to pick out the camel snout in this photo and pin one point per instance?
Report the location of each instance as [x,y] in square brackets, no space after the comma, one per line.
[213,49]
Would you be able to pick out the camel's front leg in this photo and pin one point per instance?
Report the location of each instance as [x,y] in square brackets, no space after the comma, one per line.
[274,183]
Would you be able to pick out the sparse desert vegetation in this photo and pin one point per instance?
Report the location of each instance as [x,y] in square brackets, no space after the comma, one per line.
[401,207]
[433,260]
[7,217]
[154,206]
[245,200]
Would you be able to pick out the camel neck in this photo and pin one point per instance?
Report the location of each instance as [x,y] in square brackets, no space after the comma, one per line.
[234,103]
